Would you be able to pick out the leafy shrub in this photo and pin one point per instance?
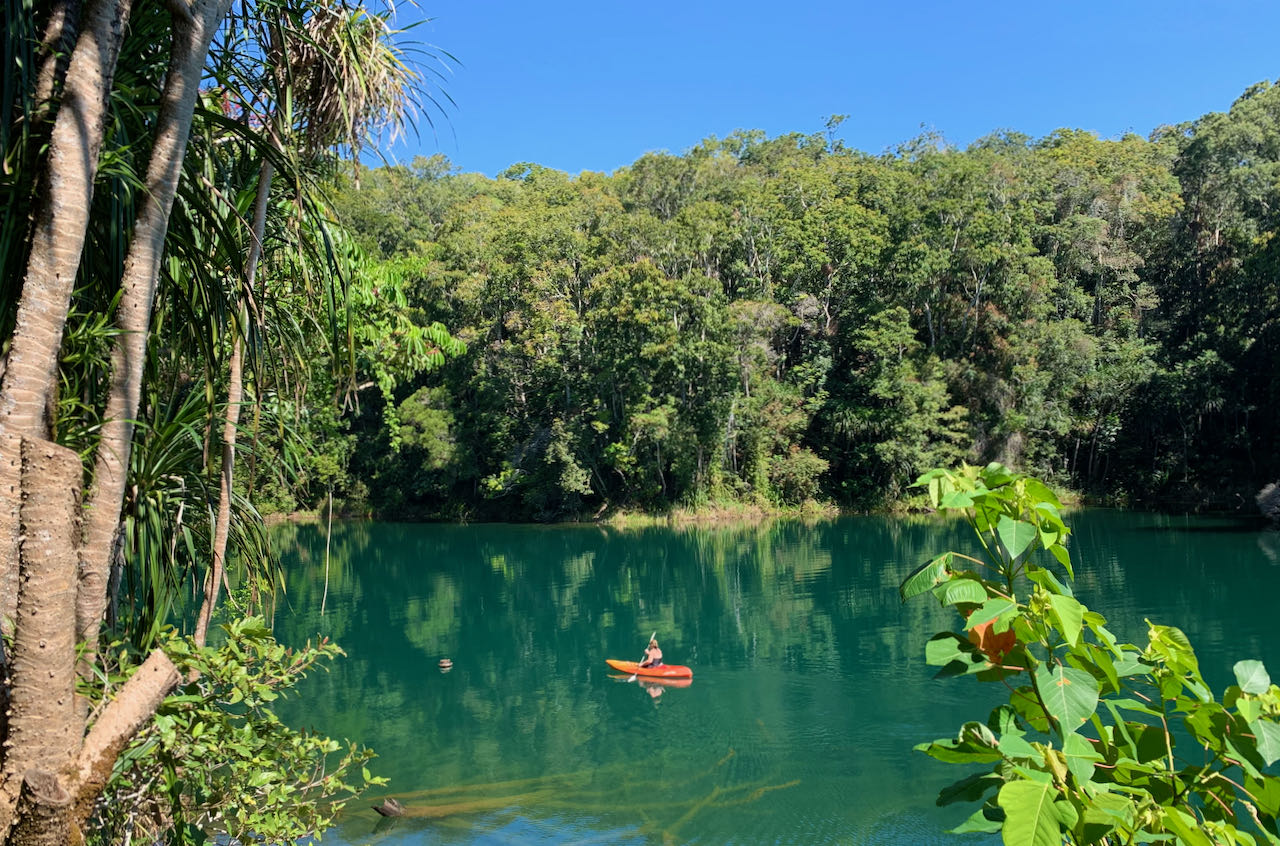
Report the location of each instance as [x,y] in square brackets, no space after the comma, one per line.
[217,762]
[795,476]
[1089,747]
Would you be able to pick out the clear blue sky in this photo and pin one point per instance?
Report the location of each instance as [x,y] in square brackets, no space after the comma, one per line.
[593,85]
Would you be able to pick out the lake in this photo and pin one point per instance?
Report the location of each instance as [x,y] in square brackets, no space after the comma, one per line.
[809,688]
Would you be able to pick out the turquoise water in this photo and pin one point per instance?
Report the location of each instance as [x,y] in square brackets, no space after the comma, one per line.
[809,686]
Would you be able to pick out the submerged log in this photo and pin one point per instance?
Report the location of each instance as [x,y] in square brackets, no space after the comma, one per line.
[390,808]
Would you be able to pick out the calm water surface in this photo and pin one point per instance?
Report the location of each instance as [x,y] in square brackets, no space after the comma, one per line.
[809,685]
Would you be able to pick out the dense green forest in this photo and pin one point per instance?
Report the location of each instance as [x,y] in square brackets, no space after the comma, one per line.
[778,319]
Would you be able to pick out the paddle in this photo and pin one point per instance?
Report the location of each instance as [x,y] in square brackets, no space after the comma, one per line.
[642,657]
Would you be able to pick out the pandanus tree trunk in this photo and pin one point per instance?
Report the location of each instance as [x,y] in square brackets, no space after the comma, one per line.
[61,220]
[193,32]
[235,398]
[51,769]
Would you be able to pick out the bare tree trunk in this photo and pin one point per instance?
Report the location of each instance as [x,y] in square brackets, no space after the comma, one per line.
[119,722]
[193,30]
[235,396]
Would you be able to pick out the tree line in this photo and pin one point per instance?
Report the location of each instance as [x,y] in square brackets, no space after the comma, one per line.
[781,319]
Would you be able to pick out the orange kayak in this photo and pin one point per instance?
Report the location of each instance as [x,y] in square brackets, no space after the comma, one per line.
[662,671]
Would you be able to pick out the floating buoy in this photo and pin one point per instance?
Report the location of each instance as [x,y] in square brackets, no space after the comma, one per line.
[445,665]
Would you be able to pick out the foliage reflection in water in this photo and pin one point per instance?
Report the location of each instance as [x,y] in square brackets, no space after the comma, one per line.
[809,685]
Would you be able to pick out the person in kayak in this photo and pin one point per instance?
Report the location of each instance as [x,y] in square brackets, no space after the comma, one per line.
[652,655]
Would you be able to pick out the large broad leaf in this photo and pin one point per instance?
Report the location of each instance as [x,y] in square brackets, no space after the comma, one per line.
[1068,616]
[1186,827]
[1016,748]
[1106,811]
[926,577]
[996,474]
[959,751]
[1268,735]
[1025,702]
[954,591]
[1040,491]
[997,608]
[1070,695]
[1080,756]
[957,499]
[1252,677]
[955,655]
[984,820]
[1031,816]
[1130,663]
[1016,535]
[1266,791]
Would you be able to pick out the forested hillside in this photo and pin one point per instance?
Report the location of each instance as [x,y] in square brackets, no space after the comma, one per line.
[777,319]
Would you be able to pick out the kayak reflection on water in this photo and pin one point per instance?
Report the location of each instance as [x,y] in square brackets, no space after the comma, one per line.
[654,686]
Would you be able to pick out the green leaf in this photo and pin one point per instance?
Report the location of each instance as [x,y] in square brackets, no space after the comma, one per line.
[1016,535]
[959,752]
[957,499]
[1268,735]
[981,822]
[1030,816]
[1064,558]
[1039,490]
[955,655]
[1070,695]
[1003,720]
[925,577]
[971,788]
[945,647]
[1131,664]
[1171,644]
[1186,827]
[1266,791]
[1015,747]
[1252,676]
[1069,616]
[955,591]
[1024,701]
[1047,580]
[1102,660]
[997,608]
[1080,756]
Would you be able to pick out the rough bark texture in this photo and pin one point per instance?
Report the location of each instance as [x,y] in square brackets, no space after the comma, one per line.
[60,219]
[59,223]
[235,396]
[10,475]
[191,38]
[44,727]
[55,47]
[43,812]
[120,721]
